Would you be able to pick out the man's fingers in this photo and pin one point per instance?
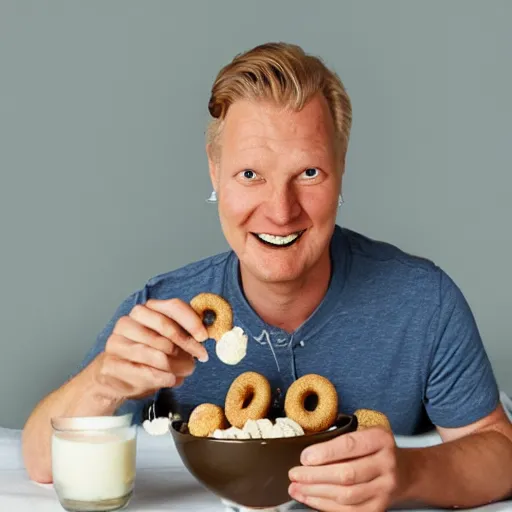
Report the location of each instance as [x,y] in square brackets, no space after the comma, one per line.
[352,472]
[347,446]
[327,505]
[183,314]
[139,353]
[182,364]
[177,321]
[151,327]
[340,494]
[131,329]
[179,382]
[133,379]
[320,504]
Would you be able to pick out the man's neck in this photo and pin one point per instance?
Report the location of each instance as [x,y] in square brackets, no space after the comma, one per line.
[288,305]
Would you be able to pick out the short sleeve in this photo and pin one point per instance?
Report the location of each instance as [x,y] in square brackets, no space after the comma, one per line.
[134,407]
[461,387]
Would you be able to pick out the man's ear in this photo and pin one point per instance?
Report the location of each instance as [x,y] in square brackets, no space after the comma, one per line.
[212,164]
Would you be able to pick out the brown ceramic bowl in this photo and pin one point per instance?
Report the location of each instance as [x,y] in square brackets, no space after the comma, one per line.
[249,472]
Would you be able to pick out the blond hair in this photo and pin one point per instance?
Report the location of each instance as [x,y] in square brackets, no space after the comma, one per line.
[282,73]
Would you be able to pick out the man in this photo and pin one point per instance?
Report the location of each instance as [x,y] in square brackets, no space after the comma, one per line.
[391,331]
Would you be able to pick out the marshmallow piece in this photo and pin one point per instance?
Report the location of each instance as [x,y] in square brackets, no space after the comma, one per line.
[231,433]
[259,429]
[218,434]
[251,427]
[265,426]
[286,427]
[290,424]
[282,430]
[232,347]
[277,431]
[157,427]
[240,434]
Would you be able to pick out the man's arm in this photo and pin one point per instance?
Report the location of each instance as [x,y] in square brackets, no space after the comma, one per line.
[82,395]
[365,470]
[472,467]
[473,464]
[143,348]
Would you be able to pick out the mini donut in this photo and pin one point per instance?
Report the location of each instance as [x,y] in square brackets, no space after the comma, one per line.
[205,419]
[248,398]
[215,312]
[367,418]
[326,410]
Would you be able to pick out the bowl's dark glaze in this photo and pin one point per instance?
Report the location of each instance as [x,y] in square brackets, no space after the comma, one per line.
[249,472]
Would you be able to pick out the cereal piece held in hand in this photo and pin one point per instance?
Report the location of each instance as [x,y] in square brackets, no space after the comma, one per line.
[215,312]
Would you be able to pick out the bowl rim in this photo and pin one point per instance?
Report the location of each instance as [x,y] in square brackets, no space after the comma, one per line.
[350,426]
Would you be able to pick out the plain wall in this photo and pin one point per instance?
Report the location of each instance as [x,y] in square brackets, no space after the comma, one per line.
[103,175]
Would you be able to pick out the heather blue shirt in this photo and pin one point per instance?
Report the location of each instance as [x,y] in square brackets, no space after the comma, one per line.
[393,333]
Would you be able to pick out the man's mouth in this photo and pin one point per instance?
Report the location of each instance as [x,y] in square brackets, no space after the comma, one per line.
[279,241]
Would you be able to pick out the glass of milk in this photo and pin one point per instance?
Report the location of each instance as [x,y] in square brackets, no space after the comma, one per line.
[93,462]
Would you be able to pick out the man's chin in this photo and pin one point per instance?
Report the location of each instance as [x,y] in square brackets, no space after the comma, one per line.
[273,274]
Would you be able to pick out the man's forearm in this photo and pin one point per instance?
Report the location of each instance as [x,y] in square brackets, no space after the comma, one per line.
[467,472]
[79,397]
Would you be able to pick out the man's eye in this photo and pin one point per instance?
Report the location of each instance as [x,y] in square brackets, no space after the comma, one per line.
[312,172]
[249,174]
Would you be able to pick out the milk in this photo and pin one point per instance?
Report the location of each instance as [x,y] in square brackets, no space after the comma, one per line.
[93,466]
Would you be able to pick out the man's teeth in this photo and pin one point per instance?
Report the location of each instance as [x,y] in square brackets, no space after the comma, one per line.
[278,240]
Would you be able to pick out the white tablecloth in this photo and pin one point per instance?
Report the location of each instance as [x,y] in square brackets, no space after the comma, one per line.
[162,482]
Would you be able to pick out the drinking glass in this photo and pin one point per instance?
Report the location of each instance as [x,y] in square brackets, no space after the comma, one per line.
[93,462]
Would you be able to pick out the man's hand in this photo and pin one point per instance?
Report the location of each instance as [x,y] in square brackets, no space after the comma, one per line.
[353,472]
[151,348]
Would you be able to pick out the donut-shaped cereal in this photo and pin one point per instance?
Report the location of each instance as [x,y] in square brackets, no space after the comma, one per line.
[205,419]
[326,410]
[215,312]
[248,398]
[367,418]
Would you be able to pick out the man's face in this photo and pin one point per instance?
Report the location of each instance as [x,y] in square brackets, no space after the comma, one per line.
[277,178]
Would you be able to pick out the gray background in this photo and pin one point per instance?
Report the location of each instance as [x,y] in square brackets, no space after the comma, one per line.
[103,107]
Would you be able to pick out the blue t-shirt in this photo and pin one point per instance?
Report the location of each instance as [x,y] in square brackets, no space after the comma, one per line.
[393,333]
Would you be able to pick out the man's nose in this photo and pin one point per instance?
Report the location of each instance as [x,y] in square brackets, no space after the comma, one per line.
[283,206]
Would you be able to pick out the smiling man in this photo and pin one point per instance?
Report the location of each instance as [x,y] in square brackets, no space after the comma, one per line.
[277,173]
[391,331]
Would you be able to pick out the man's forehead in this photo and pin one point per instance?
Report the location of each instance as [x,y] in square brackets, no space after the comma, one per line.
[256,124]
[296,145]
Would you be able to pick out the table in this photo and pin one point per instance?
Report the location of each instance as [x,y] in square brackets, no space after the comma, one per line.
[162,481]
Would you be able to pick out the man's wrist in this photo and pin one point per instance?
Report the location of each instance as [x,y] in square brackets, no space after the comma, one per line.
[102,396]
[105,399]
[408,466]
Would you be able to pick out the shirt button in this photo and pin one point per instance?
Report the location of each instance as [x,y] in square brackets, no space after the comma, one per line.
[301,343]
